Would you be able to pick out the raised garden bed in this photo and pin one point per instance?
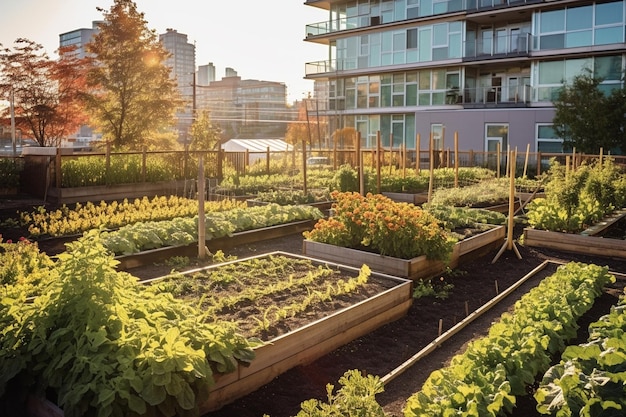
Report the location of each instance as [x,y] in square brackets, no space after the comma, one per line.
[333,324]
[415,268]
[414,198]
[116,192]
[240,238]
[590,241]
[322,205]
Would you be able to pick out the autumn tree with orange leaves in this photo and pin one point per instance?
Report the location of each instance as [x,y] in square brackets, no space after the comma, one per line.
[305,129]
[46,92]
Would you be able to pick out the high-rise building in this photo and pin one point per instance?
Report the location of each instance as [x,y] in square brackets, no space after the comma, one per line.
[206,74]
[487,69]
[79,38]
[250,109]
[182,61]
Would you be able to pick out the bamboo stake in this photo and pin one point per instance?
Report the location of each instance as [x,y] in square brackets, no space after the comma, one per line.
[459,326]
[431,173]
[417,154]
[526,159]
[201,215]
[509,244]
[456,159]
[378,151]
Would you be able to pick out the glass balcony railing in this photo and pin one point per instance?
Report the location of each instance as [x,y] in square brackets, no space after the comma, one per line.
[497,45]
[433,8]
[503,95]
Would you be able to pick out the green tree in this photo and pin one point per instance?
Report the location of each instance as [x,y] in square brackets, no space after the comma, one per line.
[132,95]
[586,118]
[46,92]
[204,134]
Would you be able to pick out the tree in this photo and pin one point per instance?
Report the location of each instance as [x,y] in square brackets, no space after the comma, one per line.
[132,95]
[204,135]
[305,129]
[46,92]
[586,118]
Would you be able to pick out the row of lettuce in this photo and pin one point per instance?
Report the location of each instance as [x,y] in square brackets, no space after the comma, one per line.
[515,359]
[101,341]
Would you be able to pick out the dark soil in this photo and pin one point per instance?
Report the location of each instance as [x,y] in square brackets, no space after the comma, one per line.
[475,282]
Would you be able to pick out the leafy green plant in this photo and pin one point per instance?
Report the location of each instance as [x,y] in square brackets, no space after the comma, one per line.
[577,199]
[486,378]
[140,236]
[439,289]
[289,197]
[10,171]
[589,380]
[124,169]
[356,397]
[105,346]
[68,220]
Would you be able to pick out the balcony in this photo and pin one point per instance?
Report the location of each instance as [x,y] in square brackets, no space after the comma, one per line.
[435,9]
[496,47]
[483,97]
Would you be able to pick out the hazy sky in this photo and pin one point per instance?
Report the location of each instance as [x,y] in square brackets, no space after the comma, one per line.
[261,40]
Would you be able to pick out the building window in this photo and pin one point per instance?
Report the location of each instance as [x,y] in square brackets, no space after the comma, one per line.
[597,24]
[547,140]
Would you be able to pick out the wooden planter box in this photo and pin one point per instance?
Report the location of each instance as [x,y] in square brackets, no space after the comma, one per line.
[321,205]
[415,268]
[586,242]
[417,198]
[312,341]
[241,238]
[115,192]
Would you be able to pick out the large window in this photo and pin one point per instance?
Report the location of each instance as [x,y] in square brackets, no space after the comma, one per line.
[588,25]
[418,44]
[552,74]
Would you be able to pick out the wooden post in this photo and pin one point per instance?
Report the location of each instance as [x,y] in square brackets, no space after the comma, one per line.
[245,162]
[304,185]
[201,214]
[57,169]
[431,152]
[456,159]
[378,155]
[538,163]
[390,152]
[143,164]
[334,154]
[107,161]
[526,159]
[509,244]
[471,157]
[359,164]
[403,159]
[267,160]
[220,164]
[417,154]
[498,160]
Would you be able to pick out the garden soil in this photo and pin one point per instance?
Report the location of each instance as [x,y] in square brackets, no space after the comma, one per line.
[474,283]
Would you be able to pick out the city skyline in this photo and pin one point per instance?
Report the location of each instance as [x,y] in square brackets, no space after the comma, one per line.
[255,42]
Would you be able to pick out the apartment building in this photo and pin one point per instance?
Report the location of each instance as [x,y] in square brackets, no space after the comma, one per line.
[182,62]
[486,69]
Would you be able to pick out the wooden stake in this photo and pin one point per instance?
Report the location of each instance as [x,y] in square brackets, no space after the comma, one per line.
[432,168]
[509,244]
[201,215]
[440,327]
[497,290]
[466,308]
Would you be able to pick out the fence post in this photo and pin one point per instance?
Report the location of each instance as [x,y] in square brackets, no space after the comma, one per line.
[144,157]
[220,164]
[107,163]
[57,168]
